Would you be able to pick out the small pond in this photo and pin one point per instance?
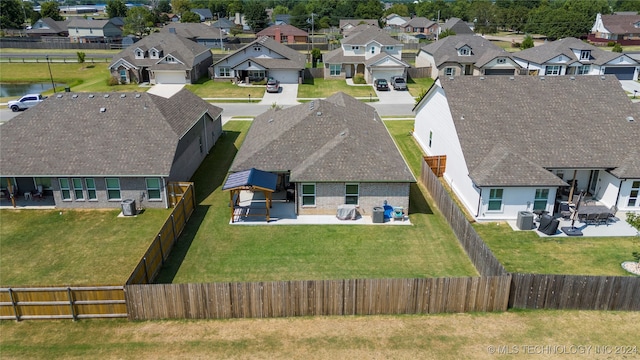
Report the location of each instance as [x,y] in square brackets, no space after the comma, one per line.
[18,90]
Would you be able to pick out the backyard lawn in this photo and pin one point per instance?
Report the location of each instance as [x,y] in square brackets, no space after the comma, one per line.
[418,86]
[321,88]
[211,250]
[73,247]
[526,252]
[207,88]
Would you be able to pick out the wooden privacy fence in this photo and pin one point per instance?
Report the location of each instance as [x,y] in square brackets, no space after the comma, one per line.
[479,253]
[537,291]
[317,297]
[62,303]
[182,195]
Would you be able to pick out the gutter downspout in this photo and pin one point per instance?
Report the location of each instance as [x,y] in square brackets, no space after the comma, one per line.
[204,124]
[166,194]
[618,195]
[479,202]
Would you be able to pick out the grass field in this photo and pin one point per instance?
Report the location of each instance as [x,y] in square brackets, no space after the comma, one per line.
[207,88]
[441,336]
[418,86]
[73,247]
[321,88]
[212,250]
[525,251]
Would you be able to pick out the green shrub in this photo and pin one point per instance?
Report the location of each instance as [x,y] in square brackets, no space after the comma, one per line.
[617,48]
[634,220]
[359,79]
[260,82]
[611,43]
[112,81]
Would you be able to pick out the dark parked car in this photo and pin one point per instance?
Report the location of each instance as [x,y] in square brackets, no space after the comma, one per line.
[273,86]
[398,83]
[381,84]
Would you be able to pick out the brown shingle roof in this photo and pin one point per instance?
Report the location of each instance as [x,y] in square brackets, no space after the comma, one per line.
[69,135]
[621,24]
[284,29]
[336,139]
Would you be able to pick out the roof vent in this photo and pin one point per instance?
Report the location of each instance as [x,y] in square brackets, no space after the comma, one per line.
[75,96]
[572,77]
[270,120]
[541,77]
[103,110]
[138,95]
[462,117]
[106,96]
[319,113]
[603,77]
[122,96]
[630,119]
[311,105]
[511,78]
[91,96]
[481,77]
[450,77]
[343,133]
[59,96]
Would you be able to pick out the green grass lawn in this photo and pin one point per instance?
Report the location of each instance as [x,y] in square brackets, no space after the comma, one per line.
[526,252]
[212,250]
[79,77]
[73,247]
[207,88]
[418,86]
[321,88]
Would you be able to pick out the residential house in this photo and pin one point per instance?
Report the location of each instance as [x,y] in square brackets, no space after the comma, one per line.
[94,31]
[346,25]
[49,27]
[285,34]
[571,56]
[205,14]
[162,58]
[517,143]
[395,21]
[370,52]
[457,26]
[223,24]
[202,34]
[95,150]
[174,18]
[466,55]
[282,19]
[333,152]
[622,27]
[259,59]
[421,25]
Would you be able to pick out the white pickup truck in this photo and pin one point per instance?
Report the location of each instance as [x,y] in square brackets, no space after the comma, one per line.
[25,102]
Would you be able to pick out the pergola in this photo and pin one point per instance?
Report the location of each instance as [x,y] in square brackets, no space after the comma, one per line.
[252,180]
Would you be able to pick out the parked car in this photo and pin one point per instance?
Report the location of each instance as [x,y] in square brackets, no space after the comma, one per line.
[398,83]
[381,84]
[25,102]
[273,85]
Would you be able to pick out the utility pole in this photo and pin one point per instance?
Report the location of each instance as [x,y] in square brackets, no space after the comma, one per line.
[438,30]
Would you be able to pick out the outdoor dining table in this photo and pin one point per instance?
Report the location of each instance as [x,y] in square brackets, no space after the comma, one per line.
[593,209]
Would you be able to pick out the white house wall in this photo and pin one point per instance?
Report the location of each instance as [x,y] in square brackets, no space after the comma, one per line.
[514,200]
[625,190]
[434,115]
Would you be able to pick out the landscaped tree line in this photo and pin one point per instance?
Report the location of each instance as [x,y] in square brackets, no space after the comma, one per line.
[552,18]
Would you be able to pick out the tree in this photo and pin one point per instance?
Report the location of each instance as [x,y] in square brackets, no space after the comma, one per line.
[164,6]
[138,21]
[279,10]
[189,17]
[527,42]
[299,16]
[81,55]
[116,8]
[398,9]
[316,55]
[180,6]
[617,48]
[483,15]
[256,15]
[11,14]
[50,9]
[372,9]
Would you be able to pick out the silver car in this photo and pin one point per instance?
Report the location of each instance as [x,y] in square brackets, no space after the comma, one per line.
[25,102]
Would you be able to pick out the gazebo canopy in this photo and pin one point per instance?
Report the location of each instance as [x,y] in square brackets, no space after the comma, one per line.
[252,179]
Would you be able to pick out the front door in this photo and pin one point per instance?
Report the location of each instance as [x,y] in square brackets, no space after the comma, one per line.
[593,182]
[145,75]
[468,70]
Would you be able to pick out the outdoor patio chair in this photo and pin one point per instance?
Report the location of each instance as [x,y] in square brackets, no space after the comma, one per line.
[591,219]
[39,193]
[603,218]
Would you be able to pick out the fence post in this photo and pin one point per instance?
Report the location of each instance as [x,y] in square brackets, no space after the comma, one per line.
[184,211]
[173,227]
[73,311]
[146,274]
[13,303]
[160,245]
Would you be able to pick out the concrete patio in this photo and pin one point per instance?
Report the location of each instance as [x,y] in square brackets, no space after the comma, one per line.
[283,213]
[616,226]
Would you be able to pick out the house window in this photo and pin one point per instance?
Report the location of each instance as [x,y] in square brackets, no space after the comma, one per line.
[77,188]
[224,71]
[257,48]
[465,51]
[44,182]
[113,188]
[65,189]
[540,201]
[450,71]
[335,69]
[351,194]
[283,39]
[430,137]
[633,196]
[123,76]
[502,61]
[154,53]
[552,70]
[91,188]
[153,189]
[495,200]
[585,54]
[584,69]
[90,31]
[355,47]
[138,54]
[373,50]
[256,74]
[170,59]
[200,143]
[308,194]
[389,48]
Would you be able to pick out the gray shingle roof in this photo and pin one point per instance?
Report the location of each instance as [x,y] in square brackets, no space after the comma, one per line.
[418,22]
[457,26]
[337,57]
[298,60]
[89,24]
[368,34]
[194,31]
[136,135]
[332,140]
[547,51]
[446,50]
[179,47]
[554,122]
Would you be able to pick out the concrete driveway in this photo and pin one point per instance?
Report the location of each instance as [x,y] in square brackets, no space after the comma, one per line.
[630,85]
[395,97]
[288,95]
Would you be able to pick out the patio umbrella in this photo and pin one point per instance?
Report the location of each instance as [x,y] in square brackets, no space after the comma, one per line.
[574,210]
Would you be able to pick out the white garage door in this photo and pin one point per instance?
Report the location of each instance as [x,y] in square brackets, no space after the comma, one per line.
[285,76]
[170,77]
[386,74]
